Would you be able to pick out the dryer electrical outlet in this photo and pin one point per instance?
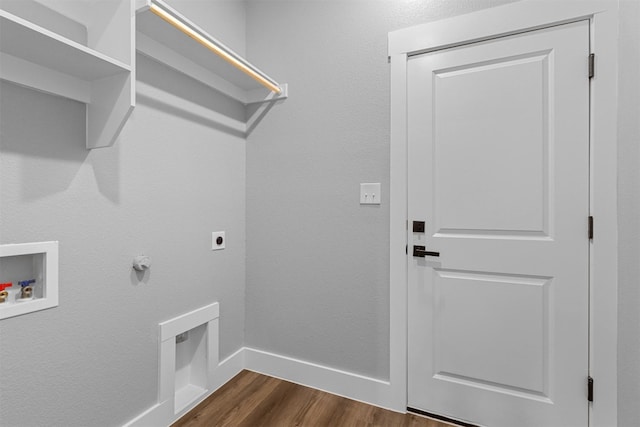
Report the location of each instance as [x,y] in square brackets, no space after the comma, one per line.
[218,240]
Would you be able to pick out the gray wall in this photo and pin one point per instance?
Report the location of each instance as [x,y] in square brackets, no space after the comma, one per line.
[629,215]
[169,181]
[224,19]
[317,275]
[317,261]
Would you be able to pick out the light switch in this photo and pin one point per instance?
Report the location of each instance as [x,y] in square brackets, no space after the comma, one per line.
[370,193]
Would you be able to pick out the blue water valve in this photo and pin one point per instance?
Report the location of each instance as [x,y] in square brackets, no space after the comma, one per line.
[24,283]
[27,289]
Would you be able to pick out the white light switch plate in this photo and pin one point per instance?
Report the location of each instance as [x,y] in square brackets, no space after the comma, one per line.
[370,193]
[214,240]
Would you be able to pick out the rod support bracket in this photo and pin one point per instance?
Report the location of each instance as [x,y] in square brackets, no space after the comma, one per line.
[257,96]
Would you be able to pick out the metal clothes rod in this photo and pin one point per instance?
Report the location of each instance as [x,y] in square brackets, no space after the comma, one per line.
[174,18]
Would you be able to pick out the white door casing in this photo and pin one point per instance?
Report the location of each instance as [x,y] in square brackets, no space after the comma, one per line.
[502,21]
[498,144]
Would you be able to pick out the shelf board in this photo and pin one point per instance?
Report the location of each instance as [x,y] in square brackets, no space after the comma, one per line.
[40,59]
[164,43]
[27,41]
[164,33]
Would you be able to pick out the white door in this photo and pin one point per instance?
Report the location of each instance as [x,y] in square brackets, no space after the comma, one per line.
[499,172]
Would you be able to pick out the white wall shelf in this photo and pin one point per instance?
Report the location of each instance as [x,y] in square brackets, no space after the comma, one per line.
[44,46]
[29,42]
[29,261]
[163,42]
[38,58]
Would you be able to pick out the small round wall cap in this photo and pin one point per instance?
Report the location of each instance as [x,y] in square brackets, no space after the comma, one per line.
[141,262]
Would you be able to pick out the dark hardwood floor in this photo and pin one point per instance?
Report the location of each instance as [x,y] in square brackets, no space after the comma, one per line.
[255,400]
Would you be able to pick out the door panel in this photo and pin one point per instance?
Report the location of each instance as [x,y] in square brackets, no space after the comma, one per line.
[498,140]
[516,325]
[503,192]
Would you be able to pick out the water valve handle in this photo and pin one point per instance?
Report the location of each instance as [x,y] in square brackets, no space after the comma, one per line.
[24,283]
[4,294]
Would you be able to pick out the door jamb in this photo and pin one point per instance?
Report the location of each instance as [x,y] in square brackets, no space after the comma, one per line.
[525,15]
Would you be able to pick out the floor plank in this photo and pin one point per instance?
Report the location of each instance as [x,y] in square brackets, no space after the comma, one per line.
[255,400]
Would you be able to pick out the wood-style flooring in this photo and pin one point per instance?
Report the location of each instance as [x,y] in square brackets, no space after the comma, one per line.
[255,400]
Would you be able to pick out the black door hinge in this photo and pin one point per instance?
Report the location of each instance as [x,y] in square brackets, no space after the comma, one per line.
[590,227]
[592,65]
[406,249]
[590,389]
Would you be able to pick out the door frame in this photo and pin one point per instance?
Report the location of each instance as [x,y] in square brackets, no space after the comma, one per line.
[514,18]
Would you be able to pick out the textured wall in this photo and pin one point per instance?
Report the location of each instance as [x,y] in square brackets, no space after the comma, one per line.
[170,180]
[629,215]
[317,285]
[224,19]
[317,261]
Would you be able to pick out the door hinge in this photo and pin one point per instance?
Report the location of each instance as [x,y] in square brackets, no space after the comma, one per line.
[590,389]
[590,228]
[406,249]
[592,65]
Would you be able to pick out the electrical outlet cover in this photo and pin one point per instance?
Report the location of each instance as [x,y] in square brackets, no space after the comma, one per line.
[218,240]
[370,193]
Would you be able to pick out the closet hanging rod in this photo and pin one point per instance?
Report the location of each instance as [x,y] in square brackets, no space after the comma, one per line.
[173,17]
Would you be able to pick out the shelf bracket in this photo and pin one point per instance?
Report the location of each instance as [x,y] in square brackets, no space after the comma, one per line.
[142,5]
[257,96]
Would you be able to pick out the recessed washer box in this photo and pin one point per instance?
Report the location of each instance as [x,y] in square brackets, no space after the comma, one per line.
[26,262]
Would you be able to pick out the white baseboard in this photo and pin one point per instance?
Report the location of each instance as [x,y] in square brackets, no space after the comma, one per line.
[158,415]
[161,414]
[342,383]
[335,381]
[229,368]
